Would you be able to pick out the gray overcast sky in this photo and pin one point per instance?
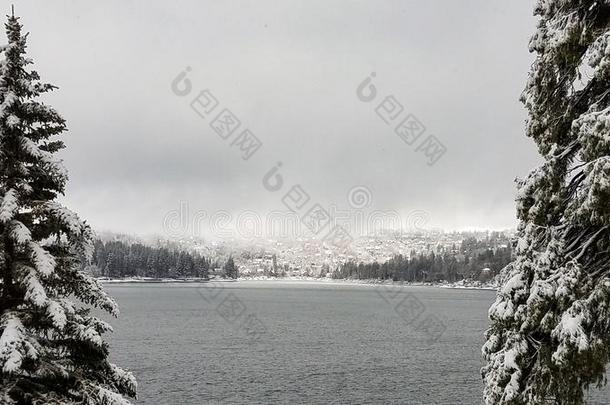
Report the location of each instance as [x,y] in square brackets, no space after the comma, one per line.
[289,71]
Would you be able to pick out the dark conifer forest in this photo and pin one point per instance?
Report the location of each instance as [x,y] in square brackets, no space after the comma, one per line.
[117,259]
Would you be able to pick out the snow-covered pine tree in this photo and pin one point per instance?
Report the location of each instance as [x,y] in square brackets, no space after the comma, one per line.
[549,335]
[230,270]
[51,349]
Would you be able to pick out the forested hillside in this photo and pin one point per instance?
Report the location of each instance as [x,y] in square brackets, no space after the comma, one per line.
[474,259]
[118,259]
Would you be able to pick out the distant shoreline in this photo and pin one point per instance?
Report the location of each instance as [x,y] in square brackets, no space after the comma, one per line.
[461,285]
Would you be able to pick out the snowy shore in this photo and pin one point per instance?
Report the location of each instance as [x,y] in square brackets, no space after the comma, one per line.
[462,284]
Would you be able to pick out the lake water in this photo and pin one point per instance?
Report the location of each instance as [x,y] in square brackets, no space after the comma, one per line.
[297,342]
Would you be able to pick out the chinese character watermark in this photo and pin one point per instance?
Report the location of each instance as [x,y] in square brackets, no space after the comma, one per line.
[406,126]
[413,312]
[233,310]
[222,120]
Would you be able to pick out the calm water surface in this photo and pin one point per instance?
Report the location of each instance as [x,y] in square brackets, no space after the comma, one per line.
[324,344]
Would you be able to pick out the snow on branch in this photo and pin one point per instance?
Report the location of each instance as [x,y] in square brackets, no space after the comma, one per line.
[14,344]
[57,314]
[20,233]
[9,99]
[55,166]
[43,260]
[90,291]
[106,397]
[34,291]
[79,233]
[8,206]
[36,295]
[86,333]
[122,378]
[570,332]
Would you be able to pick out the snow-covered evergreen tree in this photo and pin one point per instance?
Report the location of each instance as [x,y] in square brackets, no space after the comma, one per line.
[549,335]
[230,269]
[51,349]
